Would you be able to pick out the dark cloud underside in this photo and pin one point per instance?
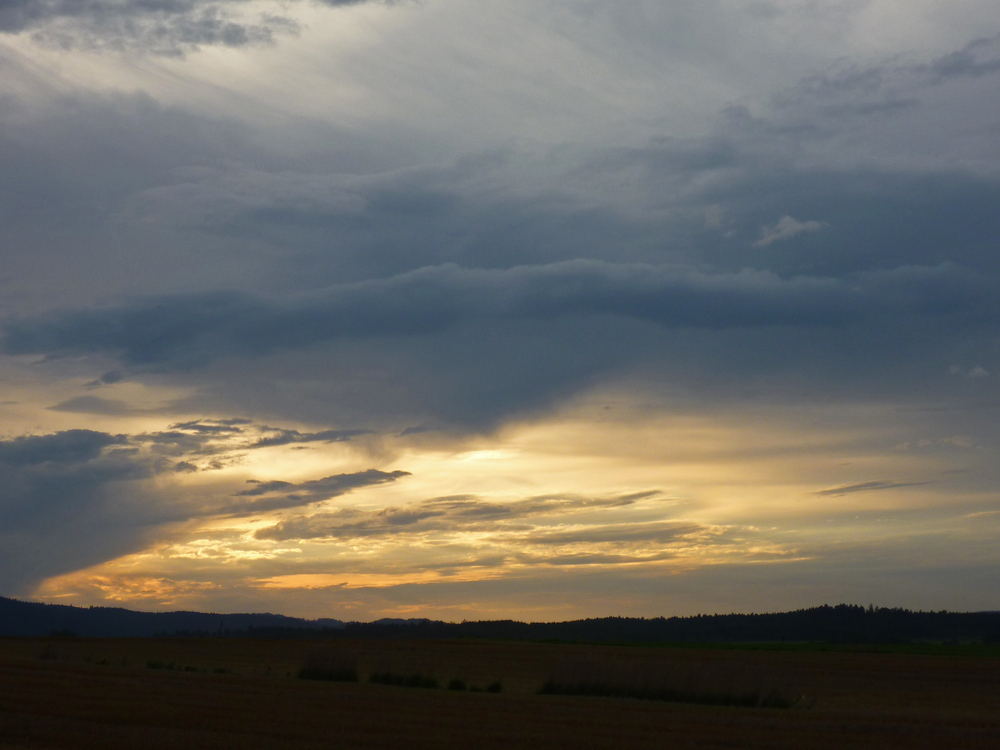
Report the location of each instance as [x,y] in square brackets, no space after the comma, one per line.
[181,330]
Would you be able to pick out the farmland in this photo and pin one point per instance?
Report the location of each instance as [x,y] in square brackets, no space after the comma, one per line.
[246,693]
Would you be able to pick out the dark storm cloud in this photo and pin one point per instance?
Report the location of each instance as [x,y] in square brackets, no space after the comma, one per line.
[66,169]
[159,26]
[70,447]
[182,331]
[164,170]
[56,498]
[645,204]
[901,273]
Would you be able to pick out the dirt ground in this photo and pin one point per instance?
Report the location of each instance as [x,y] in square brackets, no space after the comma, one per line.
[235,693]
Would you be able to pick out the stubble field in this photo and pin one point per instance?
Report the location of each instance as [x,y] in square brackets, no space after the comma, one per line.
[243,693]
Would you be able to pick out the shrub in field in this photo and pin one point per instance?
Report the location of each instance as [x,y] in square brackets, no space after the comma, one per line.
[752,699]
[332,674]
[632,679]
[493,687]
[402,680]
[330,668]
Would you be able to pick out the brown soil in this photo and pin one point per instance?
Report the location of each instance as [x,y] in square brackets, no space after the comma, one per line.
[227,693]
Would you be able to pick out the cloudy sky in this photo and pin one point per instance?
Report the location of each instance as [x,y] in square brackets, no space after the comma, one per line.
[500,308]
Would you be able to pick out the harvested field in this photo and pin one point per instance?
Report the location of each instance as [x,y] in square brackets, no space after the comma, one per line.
[234,693]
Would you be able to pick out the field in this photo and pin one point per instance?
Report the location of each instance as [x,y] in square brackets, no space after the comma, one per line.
[236,693]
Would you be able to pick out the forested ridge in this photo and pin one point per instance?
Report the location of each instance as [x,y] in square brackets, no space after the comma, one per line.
[842,623]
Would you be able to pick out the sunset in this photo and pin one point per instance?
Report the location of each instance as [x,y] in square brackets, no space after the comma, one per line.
[499,374]
[471,310]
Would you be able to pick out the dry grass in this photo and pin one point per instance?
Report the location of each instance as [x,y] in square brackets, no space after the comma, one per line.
[102,694]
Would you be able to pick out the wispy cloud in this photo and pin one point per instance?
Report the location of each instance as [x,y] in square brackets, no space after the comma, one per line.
[277,494]
[873,486]
[95,405]
[163,27]
[216,437]
[453,515]
[786,228]
[288,437]
[460,533]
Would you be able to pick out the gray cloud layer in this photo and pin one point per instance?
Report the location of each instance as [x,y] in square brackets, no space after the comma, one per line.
[178,331]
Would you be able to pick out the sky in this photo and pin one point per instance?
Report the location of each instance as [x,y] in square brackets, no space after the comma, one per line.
[480,309]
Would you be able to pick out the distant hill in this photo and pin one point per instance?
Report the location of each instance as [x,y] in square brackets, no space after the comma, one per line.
[839,624]
[19,618]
